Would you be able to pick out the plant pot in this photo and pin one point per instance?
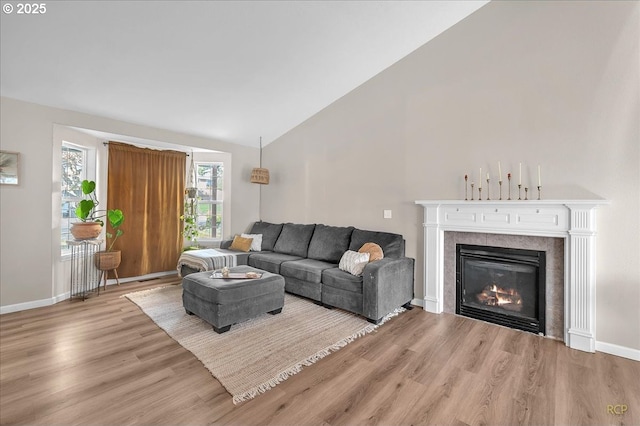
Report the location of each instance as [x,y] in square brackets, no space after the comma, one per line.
[191,192]
[107,260]
[85,230]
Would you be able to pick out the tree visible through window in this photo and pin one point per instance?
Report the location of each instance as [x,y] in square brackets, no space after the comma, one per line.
[209,178]
[74,161]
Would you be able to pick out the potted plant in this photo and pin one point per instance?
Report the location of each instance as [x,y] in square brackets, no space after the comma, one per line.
[110,259]
[90,225]
[190,218]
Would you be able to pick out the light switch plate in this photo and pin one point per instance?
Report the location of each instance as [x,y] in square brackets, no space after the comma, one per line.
[387,214]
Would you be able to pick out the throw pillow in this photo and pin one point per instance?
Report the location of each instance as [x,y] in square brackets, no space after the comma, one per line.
[353,262]
[241,244]
[374,250]
[256,244]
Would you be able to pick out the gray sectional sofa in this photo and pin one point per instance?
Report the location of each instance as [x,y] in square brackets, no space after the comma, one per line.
[307,256]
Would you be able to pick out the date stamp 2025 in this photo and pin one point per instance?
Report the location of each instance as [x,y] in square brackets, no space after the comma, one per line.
[25,8]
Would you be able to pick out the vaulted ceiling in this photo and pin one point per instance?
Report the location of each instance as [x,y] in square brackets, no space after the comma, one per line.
[227,70]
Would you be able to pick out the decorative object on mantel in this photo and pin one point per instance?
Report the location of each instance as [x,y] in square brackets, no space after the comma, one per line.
[520,186]
[466,177]
[488,187]
[259,174]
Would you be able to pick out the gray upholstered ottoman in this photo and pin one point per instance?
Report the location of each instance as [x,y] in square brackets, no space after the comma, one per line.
[225,301]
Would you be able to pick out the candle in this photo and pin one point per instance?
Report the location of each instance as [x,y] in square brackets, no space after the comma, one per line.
[539,181]
[499,172]
[480,178]
[520,175]
[487,176]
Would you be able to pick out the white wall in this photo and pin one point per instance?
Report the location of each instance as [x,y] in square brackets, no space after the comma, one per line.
[549,83]
[30,274]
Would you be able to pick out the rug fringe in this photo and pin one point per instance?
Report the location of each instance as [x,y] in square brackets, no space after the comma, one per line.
[149,290]
[295,369]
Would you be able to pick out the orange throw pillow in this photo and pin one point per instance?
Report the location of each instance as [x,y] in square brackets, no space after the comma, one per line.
[374,250]
[241,244]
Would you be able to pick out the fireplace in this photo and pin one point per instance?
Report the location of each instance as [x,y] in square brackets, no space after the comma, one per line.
[574,220]
[503,286]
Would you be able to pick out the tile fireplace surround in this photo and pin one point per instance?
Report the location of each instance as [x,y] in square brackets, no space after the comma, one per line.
[572,220]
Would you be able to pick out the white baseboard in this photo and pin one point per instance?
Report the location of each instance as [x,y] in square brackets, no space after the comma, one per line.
[417,302]
[25,305]
[7,309]
[621,351]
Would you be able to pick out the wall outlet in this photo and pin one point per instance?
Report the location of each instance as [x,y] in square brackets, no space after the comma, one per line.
[386,214]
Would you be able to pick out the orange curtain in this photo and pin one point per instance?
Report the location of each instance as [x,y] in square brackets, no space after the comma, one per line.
[148,186]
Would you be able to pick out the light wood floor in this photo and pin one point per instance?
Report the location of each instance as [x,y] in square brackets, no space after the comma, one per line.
[103,361]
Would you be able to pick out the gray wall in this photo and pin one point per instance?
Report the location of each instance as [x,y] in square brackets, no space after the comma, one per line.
[549,83]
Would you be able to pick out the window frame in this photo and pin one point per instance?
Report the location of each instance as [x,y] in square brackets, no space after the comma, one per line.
[88,172]
[217,205]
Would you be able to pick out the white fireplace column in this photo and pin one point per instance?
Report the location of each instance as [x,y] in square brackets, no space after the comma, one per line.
[573,220]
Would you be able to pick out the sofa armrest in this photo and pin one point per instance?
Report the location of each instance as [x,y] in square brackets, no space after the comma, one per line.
[387,285]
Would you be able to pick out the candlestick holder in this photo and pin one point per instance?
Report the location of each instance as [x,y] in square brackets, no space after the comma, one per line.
[472,184]
[488,190]
[465,186]
[479,193]
[526,190]
[509,179]
[500,188]
[519,186]
[539,190]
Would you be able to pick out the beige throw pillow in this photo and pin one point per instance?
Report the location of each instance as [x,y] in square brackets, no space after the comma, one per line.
[353,262]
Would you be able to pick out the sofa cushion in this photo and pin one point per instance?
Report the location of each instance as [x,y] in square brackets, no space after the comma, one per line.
[328,243]
[343,280]
[309,270]
[270,261]
[270,233]
[294,239]
[392,244]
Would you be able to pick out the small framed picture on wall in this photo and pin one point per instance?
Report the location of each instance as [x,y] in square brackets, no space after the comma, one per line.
[9,167]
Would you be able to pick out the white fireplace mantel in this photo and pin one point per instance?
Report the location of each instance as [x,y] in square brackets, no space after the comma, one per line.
[573,220]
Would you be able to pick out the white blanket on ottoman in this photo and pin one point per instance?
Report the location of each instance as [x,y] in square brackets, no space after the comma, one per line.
[206,260]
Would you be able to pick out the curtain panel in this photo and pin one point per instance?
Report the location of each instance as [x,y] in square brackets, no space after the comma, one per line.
[148,186]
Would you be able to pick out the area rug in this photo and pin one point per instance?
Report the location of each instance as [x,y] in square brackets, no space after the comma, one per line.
[256,355]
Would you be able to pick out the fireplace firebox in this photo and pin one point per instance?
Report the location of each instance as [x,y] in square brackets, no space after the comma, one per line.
[501,285]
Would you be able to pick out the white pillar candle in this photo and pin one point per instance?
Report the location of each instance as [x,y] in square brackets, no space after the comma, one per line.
[520,175]
[499,172]
[539,181]
[487,176]
[480,178]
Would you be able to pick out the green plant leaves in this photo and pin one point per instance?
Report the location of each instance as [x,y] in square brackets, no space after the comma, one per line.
[116,217]
[84,208]
[88,186]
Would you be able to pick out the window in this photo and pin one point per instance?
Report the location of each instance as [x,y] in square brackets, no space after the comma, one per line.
[74,171]
[209,178]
